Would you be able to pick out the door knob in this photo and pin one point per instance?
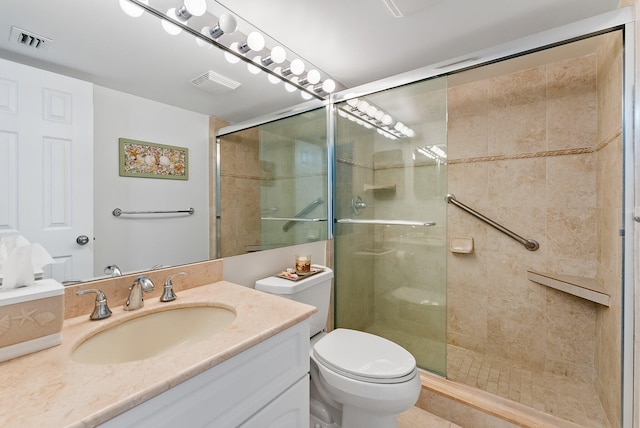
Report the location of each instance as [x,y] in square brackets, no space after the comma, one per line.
[82,240]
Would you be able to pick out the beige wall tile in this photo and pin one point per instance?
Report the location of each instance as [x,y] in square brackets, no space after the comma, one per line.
[517,129]
[571,181]
[571,106]
[517,183]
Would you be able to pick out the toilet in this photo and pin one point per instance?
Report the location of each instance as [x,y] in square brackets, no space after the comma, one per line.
[357,379]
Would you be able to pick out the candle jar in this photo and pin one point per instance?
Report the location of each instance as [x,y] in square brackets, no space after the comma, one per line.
[303,263]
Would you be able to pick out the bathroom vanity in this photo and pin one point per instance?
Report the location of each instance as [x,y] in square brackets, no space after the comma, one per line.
[253,373]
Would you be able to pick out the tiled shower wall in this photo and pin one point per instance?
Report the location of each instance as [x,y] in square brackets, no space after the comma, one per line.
[536,151]
[240,182]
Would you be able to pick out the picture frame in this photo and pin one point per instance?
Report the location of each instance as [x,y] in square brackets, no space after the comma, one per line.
[150,160]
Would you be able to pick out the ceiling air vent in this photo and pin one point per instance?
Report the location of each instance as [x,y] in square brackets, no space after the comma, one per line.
[29,39]
[213,82]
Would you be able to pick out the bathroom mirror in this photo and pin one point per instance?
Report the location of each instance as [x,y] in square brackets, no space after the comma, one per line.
[142,91]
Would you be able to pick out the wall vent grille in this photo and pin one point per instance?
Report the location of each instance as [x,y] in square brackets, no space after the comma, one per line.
[29,39]
[214,82]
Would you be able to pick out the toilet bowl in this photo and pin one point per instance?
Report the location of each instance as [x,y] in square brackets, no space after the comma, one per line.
[357,379]
[372,378]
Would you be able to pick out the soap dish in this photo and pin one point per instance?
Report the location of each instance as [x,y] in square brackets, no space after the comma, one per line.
[461,245]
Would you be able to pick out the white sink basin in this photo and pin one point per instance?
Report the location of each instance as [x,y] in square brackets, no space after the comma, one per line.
[153,334]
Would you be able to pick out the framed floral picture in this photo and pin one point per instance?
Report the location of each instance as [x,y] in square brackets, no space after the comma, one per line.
[150,160]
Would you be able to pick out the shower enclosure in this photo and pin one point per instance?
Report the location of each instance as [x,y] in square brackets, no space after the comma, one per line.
[272,185]
[390,232]
[533,142]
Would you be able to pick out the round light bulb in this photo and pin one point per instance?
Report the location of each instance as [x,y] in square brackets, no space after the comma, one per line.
[387,120]
[305,95]
[289,87]
[252,68]
[378,116]
[329,86]
[371,111]
[255,41]
[363,106]
[297,67]
[353,102]
[273,79]
[205,31]
[196,7]
[170,27]
[278,55]
[230,57]
[131,9]
[410,133]
[227,23]
[313,76]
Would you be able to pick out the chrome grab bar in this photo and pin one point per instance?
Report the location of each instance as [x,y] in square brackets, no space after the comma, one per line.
[117,212]
[387,222]
[303,212]
[529,244]
[289,219]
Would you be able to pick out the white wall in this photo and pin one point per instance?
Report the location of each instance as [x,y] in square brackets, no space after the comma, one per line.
[140,242]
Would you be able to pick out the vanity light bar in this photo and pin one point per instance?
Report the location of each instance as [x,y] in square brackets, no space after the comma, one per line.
[236,51]
[433,152]
[370,116]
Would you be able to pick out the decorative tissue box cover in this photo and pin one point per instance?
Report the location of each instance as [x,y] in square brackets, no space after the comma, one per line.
[31,318]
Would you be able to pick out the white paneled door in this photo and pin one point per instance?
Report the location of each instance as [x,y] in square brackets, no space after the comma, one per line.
[46,165]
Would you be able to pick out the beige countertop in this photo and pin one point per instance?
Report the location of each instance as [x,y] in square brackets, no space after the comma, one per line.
[48,388]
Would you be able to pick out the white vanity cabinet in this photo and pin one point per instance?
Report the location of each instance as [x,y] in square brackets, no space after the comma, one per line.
[265,386]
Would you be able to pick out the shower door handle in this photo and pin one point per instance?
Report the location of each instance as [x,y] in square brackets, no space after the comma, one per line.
[387,222]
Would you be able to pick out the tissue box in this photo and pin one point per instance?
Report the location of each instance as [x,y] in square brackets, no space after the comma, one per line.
[31,318]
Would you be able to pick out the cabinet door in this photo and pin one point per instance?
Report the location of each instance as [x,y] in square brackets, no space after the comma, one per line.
[229,393]
[289,410]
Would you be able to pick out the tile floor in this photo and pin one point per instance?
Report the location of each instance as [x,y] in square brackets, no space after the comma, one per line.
[553,394]
[418,418]
[550,393]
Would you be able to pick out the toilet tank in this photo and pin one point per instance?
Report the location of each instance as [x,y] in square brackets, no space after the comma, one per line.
[314,290]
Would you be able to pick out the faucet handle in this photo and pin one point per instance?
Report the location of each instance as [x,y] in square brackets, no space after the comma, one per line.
[101,310]
[168,295]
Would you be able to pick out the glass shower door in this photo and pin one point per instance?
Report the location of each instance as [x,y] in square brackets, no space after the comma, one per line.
[390,209]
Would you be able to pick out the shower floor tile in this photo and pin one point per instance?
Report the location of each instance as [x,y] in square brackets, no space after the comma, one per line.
[557,395]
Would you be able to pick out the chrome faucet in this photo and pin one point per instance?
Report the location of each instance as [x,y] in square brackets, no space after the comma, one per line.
[141,285]
[112,270]
[101,309]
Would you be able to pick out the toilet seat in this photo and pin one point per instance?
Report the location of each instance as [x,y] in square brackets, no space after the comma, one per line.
[364,357]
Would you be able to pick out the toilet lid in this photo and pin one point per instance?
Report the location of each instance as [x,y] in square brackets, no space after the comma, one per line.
[364,356]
